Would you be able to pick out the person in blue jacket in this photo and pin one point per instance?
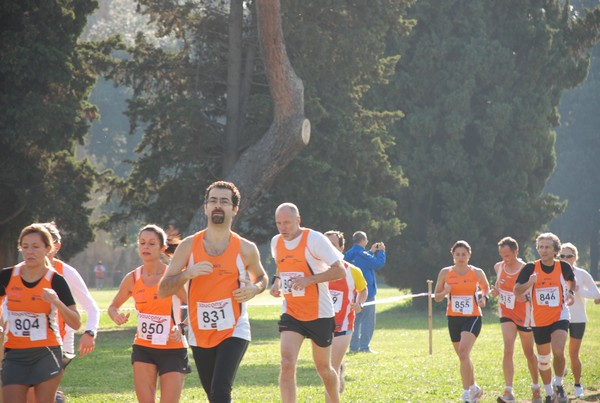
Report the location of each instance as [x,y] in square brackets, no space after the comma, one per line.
[367,261]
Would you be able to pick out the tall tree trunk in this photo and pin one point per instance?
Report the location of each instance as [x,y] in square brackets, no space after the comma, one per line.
[289,132]
[250,61]
[234,79]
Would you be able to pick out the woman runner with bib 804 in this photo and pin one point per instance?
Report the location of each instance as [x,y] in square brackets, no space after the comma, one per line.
[159,348]
[460,284]
[35,293]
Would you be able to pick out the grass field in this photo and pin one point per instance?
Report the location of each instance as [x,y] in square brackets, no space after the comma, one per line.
[402,371]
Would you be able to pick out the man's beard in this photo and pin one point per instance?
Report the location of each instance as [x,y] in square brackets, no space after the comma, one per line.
[217,218]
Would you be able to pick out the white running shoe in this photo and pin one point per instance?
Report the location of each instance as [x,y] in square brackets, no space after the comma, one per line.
[507,397]
[578,391]
[475,393]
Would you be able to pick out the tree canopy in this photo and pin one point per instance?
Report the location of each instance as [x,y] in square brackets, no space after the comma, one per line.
[480,84]
[420,134]
[336,47]
[448,130]
[45,82]
[575,178]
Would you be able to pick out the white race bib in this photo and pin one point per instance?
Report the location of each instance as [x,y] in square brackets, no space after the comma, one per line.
[547,296]
[286,283]
[337,298]
[28,324]
[155,328]
[216,315]
[507,299]
[462,304]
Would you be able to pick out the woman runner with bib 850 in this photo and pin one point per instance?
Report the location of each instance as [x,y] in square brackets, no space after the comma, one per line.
[35,293]
[159,347]
[460,284]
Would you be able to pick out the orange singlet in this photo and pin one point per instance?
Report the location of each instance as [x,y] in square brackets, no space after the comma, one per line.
[214,313]
[156,316]
[309,303]
[462,299]
[32,320]
[548,296]
[342,293]
[508,306]
[62,326]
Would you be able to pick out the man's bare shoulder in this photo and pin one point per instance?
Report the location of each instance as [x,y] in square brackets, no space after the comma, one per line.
[247,246]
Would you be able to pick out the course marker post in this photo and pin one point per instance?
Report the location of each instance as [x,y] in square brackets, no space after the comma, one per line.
[430,314]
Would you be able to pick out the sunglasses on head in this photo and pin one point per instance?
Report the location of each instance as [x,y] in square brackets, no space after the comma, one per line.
[566,256]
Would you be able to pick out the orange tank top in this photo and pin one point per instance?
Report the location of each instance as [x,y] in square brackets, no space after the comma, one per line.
[547,295]
[342,294]
[156,316]
[32,321]
[62,327]
[462,299]
[303,305]
[214,313]
[508,306]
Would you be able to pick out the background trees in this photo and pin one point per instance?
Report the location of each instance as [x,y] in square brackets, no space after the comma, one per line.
[447,129]
[575,178]
[45,81]
[181,99]
[480,84]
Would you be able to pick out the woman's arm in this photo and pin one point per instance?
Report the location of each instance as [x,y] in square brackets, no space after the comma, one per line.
[125,291]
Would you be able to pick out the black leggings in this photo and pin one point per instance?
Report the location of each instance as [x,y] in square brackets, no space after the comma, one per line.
[217,367]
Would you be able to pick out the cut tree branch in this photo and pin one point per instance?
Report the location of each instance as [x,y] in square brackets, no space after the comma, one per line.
[289,132]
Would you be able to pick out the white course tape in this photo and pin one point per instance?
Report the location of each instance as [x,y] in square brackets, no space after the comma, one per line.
[394,299]
[277,301]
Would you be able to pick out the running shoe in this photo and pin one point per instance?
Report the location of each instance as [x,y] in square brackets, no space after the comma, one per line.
[507,397]
[536,396]
[578,391]
[549,399]
[559,394]
[474,394]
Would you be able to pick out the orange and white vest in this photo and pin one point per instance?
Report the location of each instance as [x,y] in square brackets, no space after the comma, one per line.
[62,327]
[508,306]
[462,300]
[32,321]
[342,293]
[214,313]
[310,303]
[548,301]
[156,316]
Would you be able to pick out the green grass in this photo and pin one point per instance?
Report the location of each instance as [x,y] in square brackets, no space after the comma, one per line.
[402,371]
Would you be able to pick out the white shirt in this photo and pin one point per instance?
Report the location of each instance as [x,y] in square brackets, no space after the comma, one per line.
[586,288]
[84,300]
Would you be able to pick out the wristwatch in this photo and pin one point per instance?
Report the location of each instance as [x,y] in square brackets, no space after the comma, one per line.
[91,333]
